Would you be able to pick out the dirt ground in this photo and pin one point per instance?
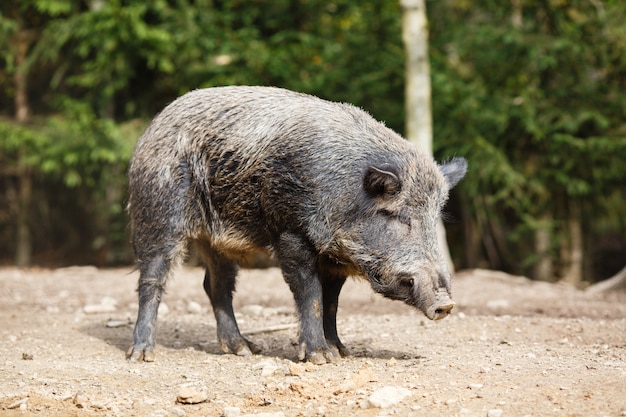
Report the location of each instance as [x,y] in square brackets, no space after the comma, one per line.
[511,348]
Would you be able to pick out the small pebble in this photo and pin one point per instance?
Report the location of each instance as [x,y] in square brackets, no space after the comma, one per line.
[466,412]
[475,386]
[387,396]
[80,400]
[231,412]
[116,323]
[177,412]
[188,395]
[267,367]
[100,405]
[27,356]
[194,308]
[495,412]
[18,403]
[108,301]
[296,369]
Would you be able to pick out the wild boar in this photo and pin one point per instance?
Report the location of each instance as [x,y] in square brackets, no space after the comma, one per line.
[322,186]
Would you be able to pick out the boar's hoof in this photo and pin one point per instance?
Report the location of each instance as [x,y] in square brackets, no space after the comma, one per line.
[319,356]
[139,354]
[340,349]
[240,347]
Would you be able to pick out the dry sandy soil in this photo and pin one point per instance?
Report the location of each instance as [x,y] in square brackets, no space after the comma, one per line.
[512,348]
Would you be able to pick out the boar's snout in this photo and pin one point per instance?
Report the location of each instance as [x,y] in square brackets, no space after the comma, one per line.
[433,296]
[441,308]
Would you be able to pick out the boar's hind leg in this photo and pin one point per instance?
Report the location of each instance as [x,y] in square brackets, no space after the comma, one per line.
[219,284]
[298,263]
[331,287]
[152,277]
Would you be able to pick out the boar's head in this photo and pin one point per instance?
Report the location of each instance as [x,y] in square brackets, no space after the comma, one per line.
[392,235]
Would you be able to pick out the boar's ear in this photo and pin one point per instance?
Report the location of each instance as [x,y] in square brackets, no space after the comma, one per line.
[381,182]
[454,170]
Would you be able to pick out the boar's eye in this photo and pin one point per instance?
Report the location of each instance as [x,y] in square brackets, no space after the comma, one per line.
[407,282]
[405,220]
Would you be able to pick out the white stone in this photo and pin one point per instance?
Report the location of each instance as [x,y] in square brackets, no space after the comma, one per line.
[231,412]
[267,367]
[387,396]
[495,412]
[116,323]
[194,308]
[177,412]
[188,395]
[108,301]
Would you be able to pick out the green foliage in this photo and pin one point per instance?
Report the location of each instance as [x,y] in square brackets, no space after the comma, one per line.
[534,105]
[75,146]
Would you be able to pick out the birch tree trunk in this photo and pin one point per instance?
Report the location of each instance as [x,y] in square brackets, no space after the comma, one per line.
[543,270]
[419,125]
[574,268]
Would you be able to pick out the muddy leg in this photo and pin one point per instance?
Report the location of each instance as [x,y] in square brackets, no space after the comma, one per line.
[331,287]
[219,284]
[299,266]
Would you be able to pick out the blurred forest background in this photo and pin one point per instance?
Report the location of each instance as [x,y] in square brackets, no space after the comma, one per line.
[531,92]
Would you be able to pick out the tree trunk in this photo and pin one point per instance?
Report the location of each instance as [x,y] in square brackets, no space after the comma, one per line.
[543,270]
[419,125]
[574,267]
[23,247]
[516,15]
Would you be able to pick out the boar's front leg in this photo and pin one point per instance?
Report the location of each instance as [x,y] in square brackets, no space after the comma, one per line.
[331,287]
[299,265]
[219,285]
